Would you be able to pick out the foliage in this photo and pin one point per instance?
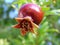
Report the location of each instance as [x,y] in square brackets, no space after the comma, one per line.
[49,29]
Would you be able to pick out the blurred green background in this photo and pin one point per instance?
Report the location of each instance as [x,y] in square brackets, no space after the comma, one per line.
[48,33]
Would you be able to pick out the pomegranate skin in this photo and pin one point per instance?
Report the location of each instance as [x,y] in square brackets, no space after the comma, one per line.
[33,11]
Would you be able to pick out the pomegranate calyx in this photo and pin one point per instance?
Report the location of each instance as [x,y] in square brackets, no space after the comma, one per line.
[26,25]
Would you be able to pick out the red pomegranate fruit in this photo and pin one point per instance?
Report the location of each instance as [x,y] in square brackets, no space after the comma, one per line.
[29,15]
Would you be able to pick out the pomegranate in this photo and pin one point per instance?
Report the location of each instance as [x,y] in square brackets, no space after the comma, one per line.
[29,15]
